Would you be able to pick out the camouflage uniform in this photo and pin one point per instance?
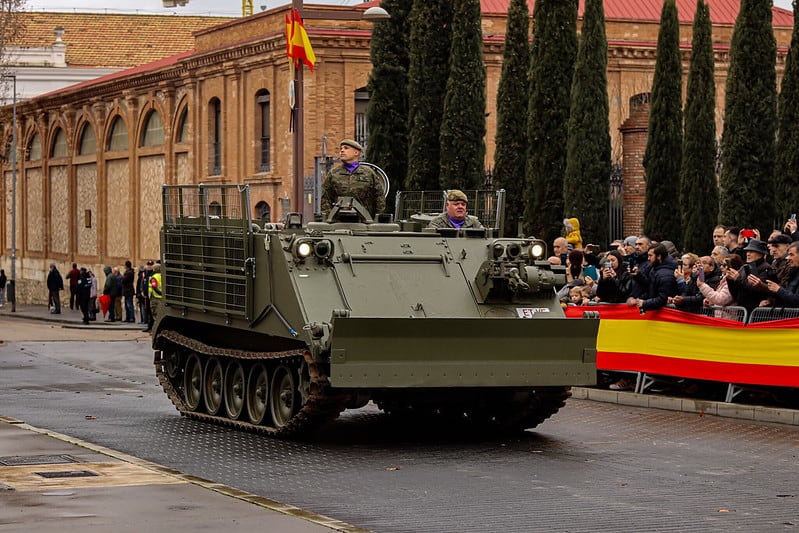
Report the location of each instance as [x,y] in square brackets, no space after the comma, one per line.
[364,185]
[443,221]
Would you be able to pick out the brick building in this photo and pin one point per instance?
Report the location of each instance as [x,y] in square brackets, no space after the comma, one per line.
[92,156]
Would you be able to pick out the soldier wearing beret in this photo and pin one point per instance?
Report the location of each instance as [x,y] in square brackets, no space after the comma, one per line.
[454,215]
[352,179]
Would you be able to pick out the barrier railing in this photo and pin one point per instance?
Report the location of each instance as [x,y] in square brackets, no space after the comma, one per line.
[720,344]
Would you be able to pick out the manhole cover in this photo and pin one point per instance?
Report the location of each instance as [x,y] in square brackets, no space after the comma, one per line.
[23,460]
[67,473]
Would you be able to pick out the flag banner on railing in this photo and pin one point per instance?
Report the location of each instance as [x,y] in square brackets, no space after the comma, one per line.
[676,343]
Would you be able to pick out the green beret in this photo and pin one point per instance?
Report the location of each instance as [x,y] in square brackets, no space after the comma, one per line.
[351,143]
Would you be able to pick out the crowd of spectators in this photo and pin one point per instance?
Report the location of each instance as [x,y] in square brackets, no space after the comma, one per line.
[741,269]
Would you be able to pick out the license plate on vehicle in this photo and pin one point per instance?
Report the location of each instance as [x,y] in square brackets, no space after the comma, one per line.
[528,312]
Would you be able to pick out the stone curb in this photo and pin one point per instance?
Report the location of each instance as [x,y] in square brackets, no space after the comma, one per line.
[778,415]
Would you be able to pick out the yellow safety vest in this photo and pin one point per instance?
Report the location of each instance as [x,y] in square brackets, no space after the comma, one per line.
[156,290]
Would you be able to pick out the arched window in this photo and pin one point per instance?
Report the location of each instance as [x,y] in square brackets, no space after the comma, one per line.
[153,131]
[59,148]
[183,127]
[88,142]
[262,135]
[263,212]
[361,102]
[118,138]
[215,137]
[34,152]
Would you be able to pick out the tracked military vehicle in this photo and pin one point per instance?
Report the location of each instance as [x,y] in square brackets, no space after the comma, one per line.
[278,328]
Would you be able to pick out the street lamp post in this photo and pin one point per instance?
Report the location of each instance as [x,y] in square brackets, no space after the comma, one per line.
[371,14]
[13,278]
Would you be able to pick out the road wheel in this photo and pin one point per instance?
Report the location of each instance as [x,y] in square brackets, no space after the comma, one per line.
[212,386]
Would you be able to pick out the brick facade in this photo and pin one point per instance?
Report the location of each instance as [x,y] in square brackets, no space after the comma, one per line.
[105,207]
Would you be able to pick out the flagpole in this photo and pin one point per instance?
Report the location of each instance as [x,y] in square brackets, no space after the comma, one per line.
[299,127]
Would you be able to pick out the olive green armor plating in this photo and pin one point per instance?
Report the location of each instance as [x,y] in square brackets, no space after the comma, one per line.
[279,328]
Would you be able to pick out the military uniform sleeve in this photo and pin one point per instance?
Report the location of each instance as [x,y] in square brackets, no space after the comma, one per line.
[380,198]
[328,195]
[437,222]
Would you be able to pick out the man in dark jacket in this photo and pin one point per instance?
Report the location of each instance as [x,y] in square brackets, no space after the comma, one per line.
[640,265]
[72,276]
[787,295]
[55,284]
[128,279]
[660,282]
[83,293]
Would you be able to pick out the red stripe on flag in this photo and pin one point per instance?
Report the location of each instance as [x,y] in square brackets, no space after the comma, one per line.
[753,374]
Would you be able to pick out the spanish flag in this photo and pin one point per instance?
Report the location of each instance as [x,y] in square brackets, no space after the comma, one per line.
[298,46]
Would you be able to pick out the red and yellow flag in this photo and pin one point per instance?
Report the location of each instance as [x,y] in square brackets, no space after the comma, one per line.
[298,46]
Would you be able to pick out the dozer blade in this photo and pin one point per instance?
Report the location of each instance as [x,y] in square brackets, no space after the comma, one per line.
[462,352]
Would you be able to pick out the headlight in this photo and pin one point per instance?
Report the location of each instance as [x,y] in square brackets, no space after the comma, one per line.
[323,249]
[537,250]
[498,250]
[302,249]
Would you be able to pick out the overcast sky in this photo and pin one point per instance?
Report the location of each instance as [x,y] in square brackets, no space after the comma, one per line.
[194,7]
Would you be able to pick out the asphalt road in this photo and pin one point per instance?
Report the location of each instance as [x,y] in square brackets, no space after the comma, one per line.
[592,467]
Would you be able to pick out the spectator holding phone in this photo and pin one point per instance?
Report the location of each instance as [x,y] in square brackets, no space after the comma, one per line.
[734,242]
[788,294]
[748,285]
[720,294]
[615,282]
[686,274]
[790,228]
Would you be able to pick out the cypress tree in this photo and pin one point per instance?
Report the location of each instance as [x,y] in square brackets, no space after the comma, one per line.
[387,111]
[511,138]
[750,117]
[699,193]
[552,65]
[463,126]
[428,71]
[787,175]
[663,153]
[586,186]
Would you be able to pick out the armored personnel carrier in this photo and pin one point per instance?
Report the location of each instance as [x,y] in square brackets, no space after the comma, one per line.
[278,328]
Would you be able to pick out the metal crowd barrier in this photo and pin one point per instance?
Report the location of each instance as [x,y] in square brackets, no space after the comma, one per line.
[644,381]
[768,314]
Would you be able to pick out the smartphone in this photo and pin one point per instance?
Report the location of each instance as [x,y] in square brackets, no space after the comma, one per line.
[793,217]
[728,262]
[748,233]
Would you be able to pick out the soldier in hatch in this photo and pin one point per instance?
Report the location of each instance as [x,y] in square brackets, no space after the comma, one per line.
[454,215]
[353,179]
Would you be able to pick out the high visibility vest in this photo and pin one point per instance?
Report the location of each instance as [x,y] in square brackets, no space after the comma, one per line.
[156,290]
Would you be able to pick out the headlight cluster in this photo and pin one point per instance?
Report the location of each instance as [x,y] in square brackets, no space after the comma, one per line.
[513,250]
[304,248]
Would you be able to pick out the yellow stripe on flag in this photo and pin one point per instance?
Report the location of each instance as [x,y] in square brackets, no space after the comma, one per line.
[779,347]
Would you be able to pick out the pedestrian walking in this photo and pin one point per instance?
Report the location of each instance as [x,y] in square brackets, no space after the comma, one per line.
[55,284]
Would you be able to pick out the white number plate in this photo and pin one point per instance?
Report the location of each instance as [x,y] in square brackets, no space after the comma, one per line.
[528,312]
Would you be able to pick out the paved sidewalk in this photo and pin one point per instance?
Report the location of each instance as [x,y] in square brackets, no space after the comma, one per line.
[52,482]
[68,317]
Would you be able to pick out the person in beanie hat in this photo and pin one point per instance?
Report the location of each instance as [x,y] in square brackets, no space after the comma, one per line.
[454,215]
[353,179]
